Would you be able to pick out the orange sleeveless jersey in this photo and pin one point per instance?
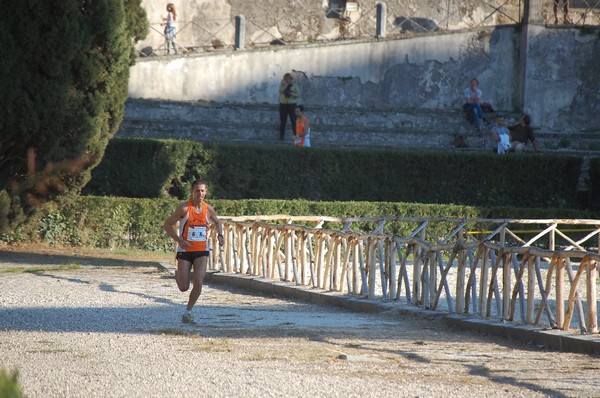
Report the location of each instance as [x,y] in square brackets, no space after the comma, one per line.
[193,229]
[300,128]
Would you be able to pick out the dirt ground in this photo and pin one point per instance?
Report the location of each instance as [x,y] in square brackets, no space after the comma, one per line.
[96,327]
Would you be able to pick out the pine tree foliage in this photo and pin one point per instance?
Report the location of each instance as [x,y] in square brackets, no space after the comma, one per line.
[64,70]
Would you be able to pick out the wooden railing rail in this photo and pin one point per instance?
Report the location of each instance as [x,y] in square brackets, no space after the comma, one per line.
[538,272]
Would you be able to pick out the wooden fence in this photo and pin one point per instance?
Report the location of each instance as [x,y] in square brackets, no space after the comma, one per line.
[537,272]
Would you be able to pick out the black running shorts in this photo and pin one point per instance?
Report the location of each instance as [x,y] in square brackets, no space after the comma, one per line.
[191,256]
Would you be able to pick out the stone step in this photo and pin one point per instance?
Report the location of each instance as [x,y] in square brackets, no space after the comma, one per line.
[573,140]
[259,123]
[268,114]
[321,135]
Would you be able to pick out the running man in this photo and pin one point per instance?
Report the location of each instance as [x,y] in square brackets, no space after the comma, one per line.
[193,248]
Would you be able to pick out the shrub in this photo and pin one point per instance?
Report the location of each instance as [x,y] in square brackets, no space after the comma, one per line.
[9,384]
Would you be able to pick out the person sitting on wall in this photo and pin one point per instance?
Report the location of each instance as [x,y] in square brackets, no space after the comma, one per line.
[500,135]
[522,133]
[473,106]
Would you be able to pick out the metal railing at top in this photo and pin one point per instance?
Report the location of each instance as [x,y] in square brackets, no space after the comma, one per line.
[573,12]
[192,37]
[361,22]
[334,24]
[537,272]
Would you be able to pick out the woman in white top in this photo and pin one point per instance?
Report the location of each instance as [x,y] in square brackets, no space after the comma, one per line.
[170,28]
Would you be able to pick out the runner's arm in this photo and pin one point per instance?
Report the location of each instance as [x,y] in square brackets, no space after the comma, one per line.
[170,222]
[212,216]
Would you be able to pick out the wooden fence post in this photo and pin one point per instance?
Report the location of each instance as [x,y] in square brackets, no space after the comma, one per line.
[506,287]
[530,318]
[560,291]
[484,279]
[592,303]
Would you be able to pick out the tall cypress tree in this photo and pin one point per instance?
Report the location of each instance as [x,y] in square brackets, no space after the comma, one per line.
[64,70]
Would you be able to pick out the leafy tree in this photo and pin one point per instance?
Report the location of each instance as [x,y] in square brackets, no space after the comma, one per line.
[64,70]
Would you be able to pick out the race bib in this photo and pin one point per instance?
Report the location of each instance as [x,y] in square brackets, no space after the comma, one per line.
[196,234]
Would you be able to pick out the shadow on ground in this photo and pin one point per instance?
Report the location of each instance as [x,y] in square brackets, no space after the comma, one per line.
[63,259]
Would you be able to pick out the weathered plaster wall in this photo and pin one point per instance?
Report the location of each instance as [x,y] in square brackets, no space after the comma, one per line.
[428,71]
[562,80]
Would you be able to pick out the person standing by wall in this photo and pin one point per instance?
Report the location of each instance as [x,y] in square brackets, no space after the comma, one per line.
[193,248]
[289,92]
[302,135]
[170,29]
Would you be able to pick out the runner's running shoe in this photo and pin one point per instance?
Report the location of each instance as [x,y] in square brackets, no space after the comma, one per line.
[188,318]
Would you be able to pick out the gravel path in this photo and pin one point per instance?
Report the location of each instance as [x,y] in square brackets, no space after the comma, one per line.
[99,331]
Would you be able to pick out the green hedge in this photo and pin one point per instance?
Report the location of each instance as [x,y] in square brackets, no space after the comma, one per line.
[594,184]
[154,169]
[109,222]
[137,168]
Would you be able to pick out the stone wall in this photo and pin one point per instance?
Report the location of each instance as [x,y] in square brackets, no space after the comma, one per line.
[562,80]
[548,72]
[428,71]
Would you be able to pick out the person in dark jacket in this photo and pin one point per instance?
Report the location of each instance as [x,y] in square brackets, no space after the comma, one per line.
[289,93]
[521,134]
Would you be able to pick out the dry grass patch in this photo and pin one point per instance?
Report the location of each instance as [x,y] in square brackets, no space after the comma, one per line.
[215,345]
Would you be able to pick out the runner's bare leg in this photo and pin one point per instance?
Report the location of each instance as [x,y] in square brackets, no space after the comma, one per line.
[200,265]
